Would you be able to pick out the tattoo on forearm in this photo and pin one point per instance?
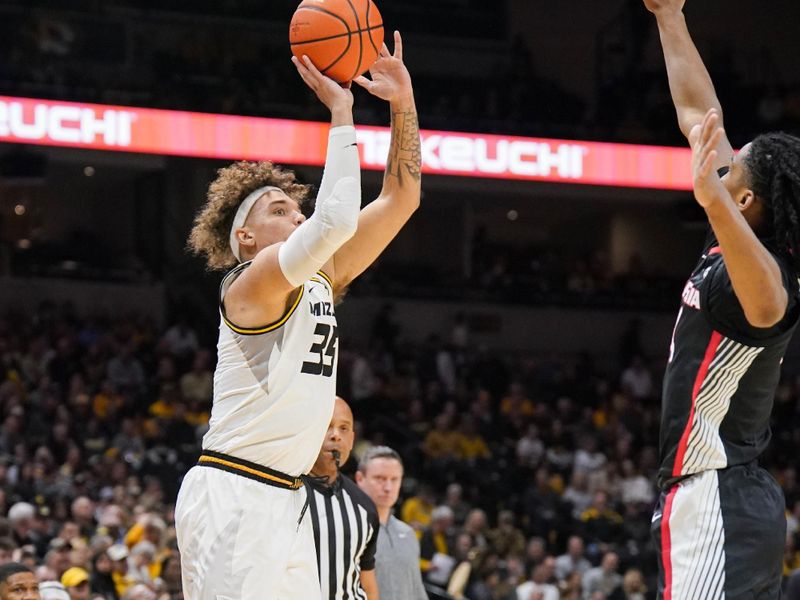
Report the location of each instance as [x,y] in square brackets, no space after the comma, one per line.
[405,153]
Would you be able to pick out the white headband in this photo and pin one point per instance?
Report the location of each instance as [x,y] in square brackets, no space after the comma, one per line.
[241,215]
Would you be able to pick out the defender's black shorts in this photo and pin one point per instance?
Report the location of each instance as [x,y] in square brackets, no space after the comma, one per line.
[720,535]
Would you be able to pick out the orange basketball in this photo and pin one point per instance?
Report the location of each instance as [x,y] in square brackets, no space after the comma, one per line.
[341,37]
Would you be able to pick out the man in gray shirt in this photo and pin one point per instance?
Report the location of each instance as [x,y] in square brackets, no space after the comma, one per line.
[380,474]
[574,559]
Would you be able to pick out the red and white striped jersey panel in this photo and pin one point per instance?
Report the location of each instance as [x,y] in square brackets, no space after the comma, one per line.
[693,540]
[718,377]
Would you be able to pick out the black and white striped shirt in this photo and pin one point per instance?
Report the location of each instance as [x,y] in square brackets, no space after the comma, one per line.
[346,530]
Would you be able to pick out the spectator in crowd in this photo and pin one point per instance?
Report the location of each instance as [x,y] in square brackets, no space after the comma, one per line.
[577,493]
[171,575]
[139,592]
[602,525]
[453,499]
[181,339]
[541,504]
[435,540]
[21,517]
[537,586]
[76,581]
[636,379]
[530,448]
[120,570]
[7,548]
[417,509]
[506,540]
[82,511]
[633,586]
[42,572]
[516,403]
[472,448]
[363,382]
[125,372]
[588,459]
[102,581]
[636,488]
[604,579]
[196,385]
[380,475]
[442,444]
[535,552]
[446,370]
[573,561]
[107,404]
[476,526]
[53,590]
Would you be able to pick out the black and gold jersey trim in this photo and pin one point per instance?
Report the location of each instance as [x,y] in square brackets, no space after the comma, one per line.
[245,468]
[325,280]
[266,328]
[328,279]
[228,279]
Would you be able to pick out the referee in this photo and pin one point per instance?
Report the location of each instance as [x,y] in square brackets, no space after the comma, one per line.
[344,519]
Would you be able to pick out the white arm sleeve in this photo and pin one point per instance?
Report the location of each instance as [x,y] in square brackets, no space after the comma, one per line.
[341,159]
[311,245]
[335,215]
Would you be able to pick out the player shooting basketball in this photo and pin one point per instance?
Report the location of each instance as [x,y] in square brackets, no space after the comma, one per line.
[240,512]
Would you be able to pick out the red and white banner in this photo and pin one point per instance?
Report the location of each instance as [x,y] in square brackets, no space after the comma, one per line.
[150,131]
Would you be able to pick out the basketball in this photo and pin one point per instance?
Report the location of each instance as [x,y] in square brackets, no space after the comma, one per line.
[341,37]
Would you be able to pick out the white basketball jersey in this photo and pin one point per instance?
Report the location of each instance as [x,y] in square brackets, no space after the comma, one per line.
[274,386]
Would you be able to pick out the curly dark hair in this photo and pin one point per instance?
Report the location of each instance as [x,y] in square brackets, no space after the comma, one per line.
[212,226]
[773,166]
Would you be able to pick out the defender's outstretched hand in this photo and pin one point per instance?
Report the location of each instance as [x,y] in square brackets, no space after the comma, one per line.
[657,6]
[332,94]
[390,79]
[704,139]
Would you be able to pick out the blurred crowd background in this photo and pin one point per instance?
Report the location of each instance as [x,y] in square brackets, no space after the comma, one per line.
[537,471]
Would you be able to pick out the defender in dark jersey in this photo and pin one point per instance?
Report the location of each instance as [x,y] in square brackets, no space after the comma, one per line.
[720,524]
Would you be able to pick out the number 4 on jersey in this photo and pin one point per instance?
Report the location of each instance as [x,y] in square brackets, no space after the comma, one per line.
[325,350]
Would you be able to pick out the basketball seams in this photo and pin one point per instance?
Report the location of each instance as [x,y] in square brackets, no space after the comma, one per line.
[360,40]
[369,28]
[338,35]
[355,14]
[346,26]
[338,58]
[329,50]
[298,47]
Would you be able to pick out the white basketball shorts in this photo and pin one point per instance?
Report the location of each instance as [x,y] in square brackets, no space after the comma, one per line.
[242,539]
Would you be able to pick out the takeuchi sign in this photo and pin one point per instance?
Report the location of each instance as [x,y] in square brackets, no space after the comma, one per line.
[180,133]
